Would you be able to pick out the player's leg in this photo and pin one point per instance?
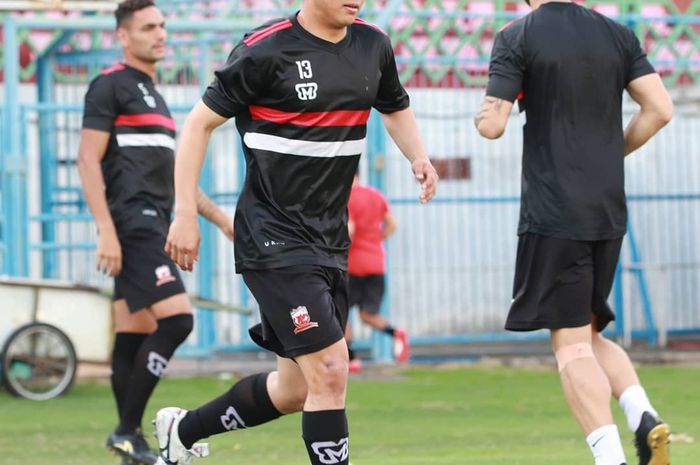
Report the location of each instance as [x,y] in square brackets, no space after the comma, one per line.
[553,288]
[252,401]
[131,330]
[305,313]
[374,286]
[324,422]
[174,324]
[651,433]
[152,288]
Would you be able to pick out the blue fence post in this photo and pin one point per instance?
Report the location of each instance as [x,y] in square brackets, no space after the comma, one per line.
[15,162]
[376,151]
[643,288]
[206,319]
[47,154]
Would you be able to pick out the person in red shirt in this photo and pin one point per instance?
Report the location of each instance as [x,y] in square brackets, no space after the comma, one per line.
[370,222]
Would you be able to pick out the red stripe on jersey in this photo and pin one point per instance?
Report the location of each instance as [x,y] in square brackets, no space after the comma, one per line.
[367,23]
[321,118]
[113,68]
[145,119]
[268,31]
[508,24]
[521,95]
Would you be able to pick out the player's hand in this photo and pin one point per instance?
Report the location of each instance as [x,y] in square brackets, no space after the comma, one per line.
[109,253]
[427,177]
[183,241]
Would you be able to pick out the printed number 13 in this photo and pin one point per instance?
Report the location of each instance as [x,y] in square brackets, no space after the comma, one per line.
[304,69]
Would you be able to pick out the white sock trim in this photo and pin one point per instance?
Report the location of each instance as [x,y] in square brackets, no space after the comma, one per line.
[634,403]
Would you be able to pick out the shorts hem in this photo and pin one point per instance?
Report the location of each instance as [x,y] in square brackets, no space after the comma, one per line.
[536,325]
[146,303]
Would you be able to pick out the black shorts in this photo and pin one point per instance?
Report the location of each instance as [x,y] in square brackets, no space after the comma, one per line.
[366,292]
[148,274]
[562,283]
[303,308]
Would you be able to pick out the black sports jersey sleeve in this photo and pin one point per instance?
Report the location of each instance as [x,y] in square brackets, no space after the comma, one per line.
[637,64]
[101,106]
[391,96]
[235,85]
[506,69]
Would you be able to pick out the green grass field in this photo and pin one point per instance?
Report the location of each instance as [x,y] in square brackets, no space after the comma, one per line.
[429,417]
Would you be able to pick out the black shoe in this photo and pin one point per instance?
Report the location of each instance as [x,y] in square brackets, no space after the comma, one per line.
[133,448]
[651,440]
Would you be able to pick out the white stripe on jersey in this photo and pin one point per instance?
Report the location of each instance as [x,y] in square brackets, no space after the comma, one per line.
[146,140]
[256,140]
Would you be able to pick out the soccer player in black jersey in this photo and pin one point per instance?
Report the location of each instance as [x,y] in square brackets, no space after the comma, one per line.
[126,160]
[301,90]
[568,67]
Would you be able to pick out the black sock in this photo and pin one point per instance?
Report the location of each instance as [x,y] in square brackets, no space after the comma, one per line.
[245,405]
[126,346]
[390,330]
[149,365]
[326,436]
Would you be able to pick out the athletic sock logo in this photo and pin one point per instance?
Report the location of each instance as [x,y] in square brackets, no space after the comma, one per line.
[330,452]
[156,364]
[231,420]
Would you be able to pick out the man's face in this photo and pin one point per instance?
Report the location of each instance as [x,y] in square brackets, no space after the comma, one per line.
[143,35]
[338,13]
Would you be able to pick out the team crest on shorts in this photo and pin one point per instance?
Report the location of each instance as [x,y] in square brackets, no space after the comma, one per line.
[302,319]
[164,275]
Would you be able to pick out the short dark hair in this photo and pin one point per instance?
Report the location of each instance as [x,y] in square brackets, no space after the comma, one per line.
[126,9]
[527,1]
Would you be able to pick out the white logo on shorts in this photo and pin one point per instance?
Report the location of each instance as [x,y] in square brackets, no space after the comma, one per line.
[329,452]
[157,364]
[164,275]
[231,420]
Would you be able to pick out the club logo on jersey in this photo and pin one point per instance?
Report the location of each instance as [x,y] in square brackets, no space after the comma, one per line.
[330,452]
[231,420]
[307,90]
[164,275]
[157,364]
[302,320]
[147,97]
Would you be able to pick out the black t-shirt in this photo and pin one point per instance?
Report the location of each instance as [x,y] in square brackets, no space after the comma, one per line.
[139,161]
[572,65]
[301,106]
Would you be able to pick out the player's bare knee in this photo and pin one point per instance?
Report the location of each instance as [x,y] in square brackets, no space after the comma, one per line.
[572,352]
[332,376]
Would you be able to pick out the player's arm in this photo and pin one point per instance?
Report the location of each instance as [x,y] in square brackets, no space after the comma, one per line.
[505,82]
[389,226]
[183,238]
[211,211]
[492,119]
[403,129]
[93,145]
[656,110]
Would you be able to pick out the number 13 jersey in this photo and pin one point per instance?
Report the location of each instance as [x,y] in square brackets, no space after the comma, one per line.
[301,106]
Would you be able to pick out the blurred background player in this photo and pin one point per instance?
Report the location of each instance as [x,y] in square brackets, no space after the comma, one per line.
[370,222]
[301,90]
[568,67]
[126,163]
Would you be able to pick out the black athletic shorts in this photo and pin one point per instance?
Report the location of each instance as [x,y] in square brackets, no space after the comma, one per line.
[366,292]
[562,283]
[303,308]
[148,274]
